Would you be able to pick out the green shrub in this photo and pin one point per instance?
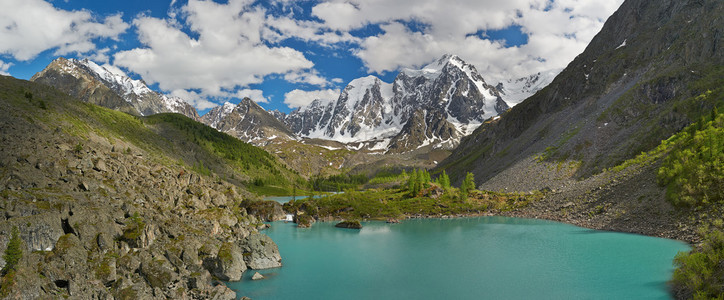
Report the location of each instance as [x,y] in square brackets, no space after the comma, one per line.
[13,252]
[693,173]
[699,274]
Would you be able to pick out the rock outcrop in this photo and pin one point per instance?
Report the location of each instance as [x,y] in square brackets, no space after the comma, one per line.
[247,121]
[260,252]
[349,224]
[104,214]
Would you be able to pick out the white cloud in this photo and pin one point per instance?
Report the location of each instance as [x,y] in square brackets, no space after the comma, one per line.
[4,68]
[557,31]
[198,101]
[308,77]
[256,95]
[29,27]
[226,52]
[284,27]
[299,98]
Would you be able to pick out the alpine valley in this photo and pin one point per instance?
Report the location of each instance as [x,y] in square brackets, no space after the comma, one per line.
[111,190]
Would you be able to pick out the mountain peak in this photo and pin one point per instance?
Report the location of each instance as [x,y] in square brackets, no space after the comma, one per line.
[94,83]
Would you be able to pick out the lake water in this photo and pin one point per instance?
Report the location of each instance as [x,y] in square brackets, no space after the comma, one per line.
[466,258]
[285,199]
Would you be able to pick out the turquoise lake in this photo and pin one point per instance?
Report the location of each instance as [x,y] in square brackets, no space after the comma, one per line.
[465,258]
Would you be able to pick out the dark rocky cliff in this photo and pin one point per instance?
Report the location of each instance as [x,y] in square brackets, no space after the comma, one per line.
[635,84]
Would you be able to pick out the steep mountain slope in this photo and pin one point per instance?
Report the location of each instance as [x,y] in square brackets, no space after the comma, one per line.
[90,82]
[247,121]
[110,205]
[448,97]
[638,82]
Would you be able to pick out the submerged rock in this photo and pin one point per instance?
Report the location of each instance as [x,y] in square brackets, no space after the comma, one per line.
[349,224]
[257,276]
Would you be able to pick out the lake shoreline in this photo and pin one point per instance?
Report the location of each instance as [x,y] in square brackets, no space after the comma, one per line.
[531,213]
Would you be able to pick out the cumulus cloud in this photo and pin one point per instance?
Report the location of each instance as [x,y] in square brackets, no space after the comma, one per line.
[310,77]
[225,53]
[284,27]
[199,101]
[29,27]
[4,68]
[253,94]
[416,32]
[299,98]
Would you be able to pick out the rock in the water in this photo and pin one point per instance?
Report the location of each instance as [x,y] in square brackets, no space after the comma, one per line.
[269,211]
[260,252]
[229,265]
[257,276]
[349,224]
[393,221]
[304,221]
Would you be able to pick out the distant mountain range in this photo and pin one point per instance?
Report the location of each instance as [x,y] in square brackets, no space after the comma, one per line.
[434,106]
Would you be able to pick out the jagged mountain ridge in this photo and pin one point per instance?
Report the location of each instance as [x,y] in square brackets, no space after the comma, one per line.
[96,84]
[449,93]
[247,121]
[448,96]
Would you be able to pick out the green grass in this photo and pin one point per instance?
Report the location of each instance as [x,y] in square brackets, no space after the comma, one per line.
[169,139]
[381,204]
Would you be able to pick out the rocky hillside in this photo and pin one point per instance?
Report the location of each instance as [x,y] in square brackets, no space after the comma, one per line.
[110,88]
[436,105]
[639,81]
[247,121]
[109,205]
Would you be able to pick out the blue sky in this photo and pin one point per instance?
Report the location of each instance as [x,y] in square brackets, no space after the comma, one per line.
[284,54]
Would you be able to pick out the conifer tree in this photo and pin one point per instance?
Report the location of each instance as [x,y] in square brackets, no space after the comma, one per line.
[420,180]
[467,185]
[412,183]
[444,180]
[14,251]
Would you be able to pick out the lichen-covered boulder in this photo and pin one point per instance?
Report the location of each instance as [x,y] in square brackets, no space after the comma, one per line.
[228,265]
[260,252]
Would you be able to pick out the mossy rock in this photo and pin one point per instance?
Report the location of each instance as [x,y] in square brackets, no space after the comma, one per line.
[304,221]
[349,224]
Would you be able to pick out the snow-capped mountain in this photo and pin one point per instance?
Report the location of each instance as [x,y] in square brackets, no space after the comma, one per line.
[247,121]
[515,91]
[107,87]
[448,99]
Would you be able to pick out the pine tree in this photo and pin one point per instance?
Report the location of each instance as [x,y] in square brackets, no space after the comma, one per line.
[420,181]
[444,180]
[411,183]
[427,178]
[14,251]
[467,186]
